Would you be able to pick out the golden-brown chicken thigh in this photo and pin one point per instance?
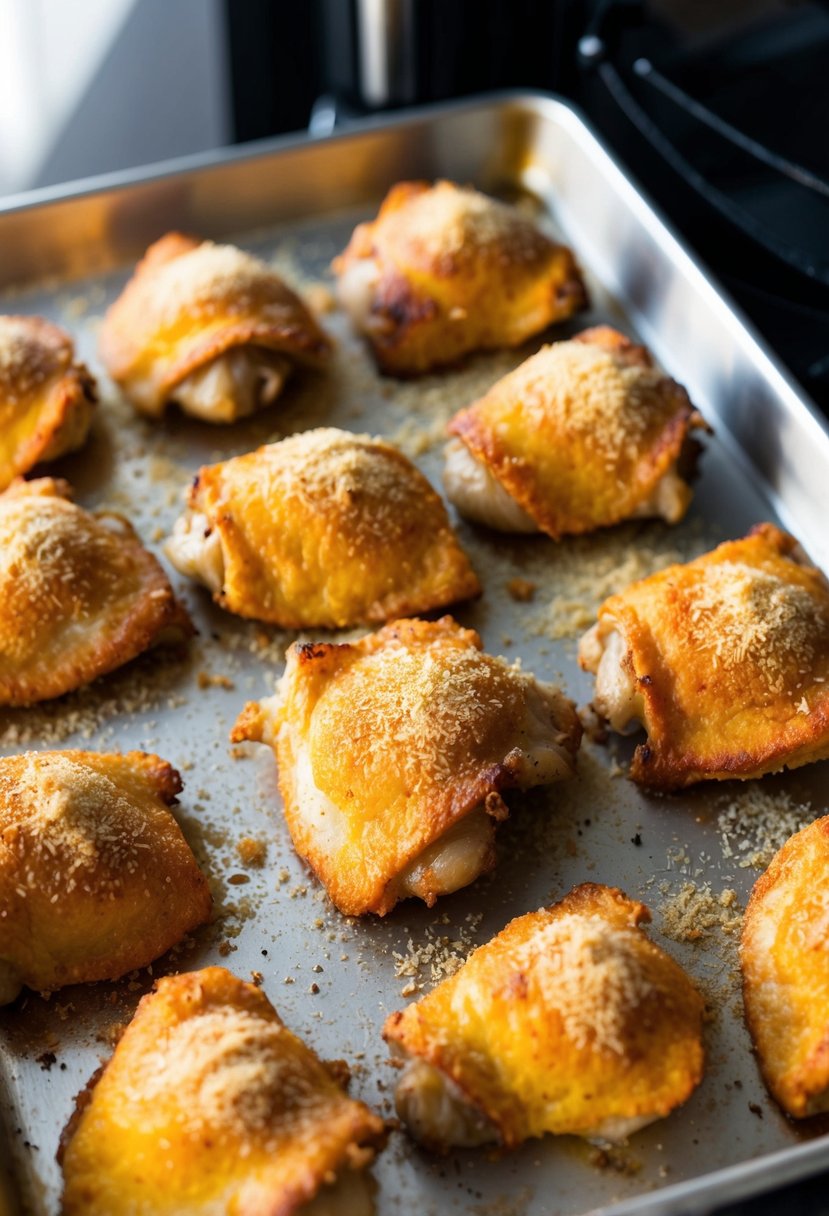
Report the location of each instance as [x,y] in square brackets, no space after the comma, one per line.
[323,530]
[207,326]
[444,270]
[725,661]
[95,876]
[570,1021]
[584,434]
[785,960]
[211,1107]
[79,594]
[394,752]
[46,397]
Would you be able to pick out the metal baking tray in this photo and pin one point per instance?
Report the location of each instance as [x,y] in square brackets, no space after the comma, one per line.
[691,857]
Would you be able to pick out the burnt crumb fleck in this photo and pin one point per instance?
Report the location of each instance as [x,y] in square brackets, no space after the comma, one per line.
[637,840]
[340,1070]
[616,1159]
[46,1060]
[263,952]
[308,651]
[755,1109]
[645,681]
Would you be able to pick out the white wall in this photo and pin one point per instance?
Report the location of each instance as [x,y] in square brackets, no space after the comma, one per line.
[92,85]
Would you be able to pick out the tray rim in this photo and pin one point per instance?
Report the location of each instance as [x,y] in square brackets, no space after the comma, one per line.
[743,1179]
[531,99]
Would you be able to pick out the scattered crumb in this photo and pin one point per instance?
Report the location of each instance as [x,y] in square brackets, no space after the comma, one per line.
[439,956]
[695,911]
[206,679]
[320,298]
[252,852]
[111,1034]
[522,590]
[617,1159]
[755,823]
[584,570]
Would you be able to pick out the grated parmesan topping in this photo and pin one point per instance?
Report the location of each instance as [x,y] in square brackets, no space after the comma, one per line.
[26,360]
[459,221]
[55,559]
[206,278]
[364,477]
[74,820]
[230,1070]
[738,612]
[425,705]
[593,395]
[330,461]
[37,535]
[591,974]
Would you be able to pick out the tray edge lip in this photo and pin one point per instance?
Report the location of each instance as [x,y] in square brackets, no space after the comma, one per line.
[533,99]
[152,171]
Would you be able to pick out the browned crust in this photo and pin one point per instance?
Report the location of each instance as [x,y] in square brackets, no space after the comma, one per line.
[402,558]
[560,487]
[315,1144]
[795,1087]
[135,333]
[58,390]
[37,663]
[95,931]
[433,305]
[389,826]
[485,1031]
[694,742]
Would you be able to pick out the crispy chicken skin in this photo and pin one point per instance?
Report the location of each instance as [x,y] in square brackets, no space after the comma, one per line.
[46,397]
[444,270]
[785,960]
[211,1105]
[394,752]
[96,878]
[725,661]
[207,326]
[584,434]
[570,1021]
[79,594]
[323,530]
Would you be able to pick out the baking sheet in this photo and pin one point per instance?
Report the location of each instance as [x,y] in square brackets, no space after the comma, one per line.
[692,858]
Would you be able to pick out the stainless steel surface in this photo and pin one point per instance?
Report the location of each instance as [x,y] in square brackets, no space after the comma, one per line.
[770,455]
